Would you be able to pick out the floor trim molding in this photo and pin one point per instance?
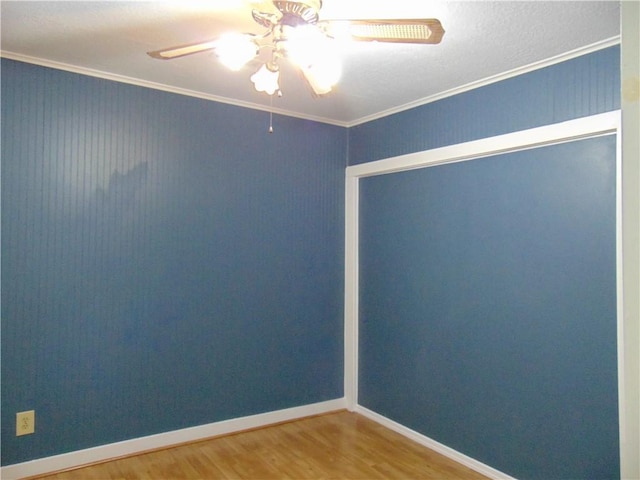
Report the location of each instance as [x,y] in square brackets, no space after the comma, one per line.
[134,446]
[434,445]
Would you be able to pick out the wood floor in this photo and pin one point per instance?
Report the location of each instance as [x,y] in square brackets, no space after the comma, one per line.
[340,445]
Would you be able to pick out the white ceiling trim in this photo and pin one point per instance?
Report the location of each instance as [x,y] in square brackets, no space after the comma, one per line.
[159,86]
[493,79]
[423,101]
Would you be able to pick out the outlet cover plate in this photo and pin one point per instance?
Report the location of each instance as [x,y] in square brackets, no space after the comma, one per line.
[25,422]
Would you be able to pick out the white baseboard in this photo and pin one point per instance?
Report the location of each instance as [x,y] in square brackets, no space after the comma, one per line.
[138,445]
[433,445]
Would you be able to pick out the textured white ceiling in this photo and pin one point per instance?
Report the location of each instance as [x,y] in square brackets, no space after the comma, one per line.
[483,39]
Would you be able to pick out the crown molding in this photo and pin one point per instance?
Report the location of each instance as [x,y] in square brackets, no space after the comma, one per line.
[215,98]
[160,86]
[578,52]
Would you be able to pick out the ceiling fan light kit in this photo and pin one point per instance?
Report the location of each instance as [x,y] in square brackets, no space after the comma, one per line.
[266,79]
[235,50]
[295,31]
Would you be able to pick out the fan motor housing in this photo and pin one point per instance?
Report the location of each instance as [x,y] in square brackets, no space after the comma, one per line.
[298,13]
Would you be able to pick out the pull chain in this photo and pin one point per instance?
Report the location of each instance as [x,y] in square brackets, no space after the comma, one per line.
[271,115]
[271,111]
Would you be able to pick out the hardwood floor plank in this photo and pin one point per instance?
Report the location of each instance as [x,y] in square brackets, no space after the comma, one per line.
[340,445]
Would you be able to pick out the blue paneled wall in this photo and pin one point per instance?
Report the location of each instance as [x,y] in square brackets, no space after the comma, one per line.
[165,261]
[488,307]
[488,288]
[583,86]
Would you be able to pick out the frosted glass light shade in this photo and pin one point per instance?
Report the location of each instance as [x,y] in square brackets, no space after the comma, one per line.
[323,76]
[235,50]
[266,80]
[306,45]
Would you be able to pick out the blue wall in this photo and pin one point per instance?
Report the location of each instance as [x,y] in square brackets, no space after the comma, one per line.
[583,86]
[488,287]
[165,261]
[488,307]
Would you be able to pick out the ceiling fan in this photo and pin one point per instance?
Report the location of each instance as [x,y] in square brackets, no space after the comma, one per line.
[294,31]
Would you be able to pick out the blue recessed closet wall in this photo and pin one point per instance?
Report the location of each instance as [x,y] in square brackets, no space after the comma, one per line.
[488,307]
[487,291]
[166,263]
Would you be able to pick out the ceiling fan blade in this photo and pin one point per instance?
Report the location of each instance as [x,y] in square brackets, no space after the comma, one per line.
[183,50]
[422,30]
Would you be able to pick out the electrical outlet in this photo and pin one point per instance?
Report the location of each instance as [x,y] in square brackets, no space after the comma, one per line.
[25,422]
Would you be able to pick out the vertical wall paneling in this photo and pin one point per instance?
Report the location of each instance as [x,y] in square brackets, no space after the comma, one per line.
[115,264]
[165,262]
[436,344]
[580,87]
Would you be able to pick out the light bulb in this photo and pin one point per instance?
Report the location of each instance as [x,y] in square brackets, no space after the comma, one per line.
[234,50]
[266,79]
